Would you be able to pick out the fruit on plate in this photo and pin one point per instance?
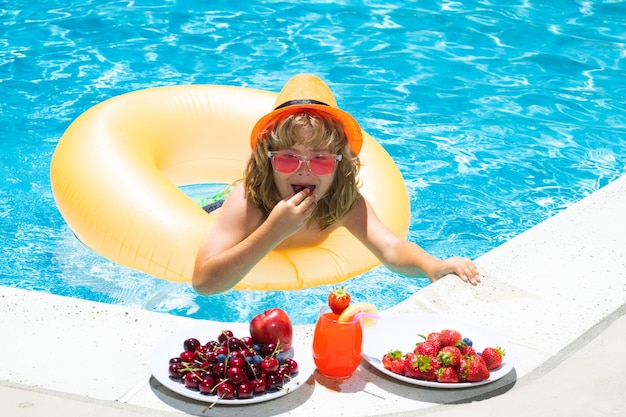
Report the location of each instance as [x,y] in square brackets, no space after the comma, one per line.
[394,361]
[364,311]
[231,368]
[493,356]
[445,357]
[338,299]
[475,369]
[273,326]
[449,337]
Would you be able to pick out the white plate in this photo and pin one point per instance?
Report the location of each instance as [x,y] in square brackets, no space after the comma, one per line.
[402,332]
[172,346]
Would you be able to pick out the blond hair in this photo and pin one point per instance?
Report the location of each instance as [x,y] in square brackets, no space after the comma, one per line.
[322,133]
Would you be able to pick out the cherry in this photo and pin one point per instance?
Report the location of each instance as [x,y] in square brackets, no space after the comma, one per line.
[204,365]
[237,362]
[268,349]
[207,384]
[211,357]
[211,345]
[273,382]
[244,391]
[234,344]
[253,370]
[258,385]
[269,365]
[176,370]
[219,369]
[225,391]
[224,336]
[201,351]
[236,375]
[191,344]
[192,379]
[283,373]
[292,365]
[247,341]
[188,356]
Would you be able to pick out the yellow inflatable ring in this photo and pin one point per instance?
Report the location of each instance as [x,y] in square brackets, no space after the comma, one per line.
[117,169]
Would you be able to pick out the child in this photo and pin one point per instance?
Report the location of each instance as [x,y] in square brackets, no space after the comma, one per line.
[299,185]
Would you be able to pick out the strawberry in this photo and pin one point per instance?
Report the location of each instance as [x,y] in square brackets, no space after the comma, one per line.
[421,367]
[338,299]
[394,361]
[477,369]
[462,368]
[493,357]
[449,356]
[427,347]
[467,350]
[447,374]
[450,337]
[435,338]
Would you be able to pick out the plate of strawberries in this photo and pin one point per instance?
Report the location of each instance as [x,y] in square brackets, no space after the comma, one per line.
[437,351]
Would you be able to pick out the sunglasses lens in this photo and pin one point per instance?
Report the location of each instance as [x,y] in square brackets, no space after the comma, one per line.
[285,163]
[322,165]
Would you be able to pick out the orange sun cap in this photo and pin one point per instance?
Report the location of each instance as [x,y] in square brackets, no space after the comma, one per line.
[306,91]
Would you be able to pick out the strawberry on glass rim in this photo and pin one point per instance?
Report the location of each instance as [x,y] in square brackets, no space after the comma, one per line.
[339,299]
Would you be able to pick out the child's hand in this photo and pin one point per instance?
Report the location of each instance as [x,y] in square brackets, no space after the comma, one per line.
[461,267]
[290,214]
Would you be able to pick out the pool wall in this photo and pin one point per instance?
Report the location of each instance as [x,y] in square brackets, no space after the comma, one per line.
[545,290]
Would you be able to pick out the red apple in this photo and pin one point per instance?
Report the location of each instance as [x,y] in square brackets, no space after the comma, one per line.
[272,326]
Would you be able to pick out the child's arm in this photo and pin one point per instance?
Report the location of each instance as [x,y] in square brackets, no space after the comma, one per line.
[402,256]
[242,236]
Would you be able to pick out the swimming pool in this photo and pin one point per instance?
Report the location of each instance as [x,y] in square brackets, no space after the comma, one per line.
[498,116]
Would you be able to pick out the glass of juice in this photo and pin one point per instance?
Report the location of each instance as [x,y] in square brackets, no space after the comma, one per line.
[336,345]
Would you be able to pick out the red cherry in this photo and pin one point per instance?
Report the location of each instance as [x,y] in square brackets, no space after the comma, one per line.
[211,345]
[225,391]
[293,365]
[235,375]
[191,344]
[258,385]
[222,350]
[207,384]
[176,370]
[247,341]
[234,344]
[273,382]
[253,370]
[244,391]
[237,362]
[284,374]
[269,365]
[201,351]
[268,349]
[192,379]
[224,336]
[211,357]
[188,357]
[219,370]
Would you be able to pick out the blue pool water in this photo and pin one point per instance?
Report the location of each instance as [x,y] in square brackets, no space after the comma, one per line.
[499,115]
